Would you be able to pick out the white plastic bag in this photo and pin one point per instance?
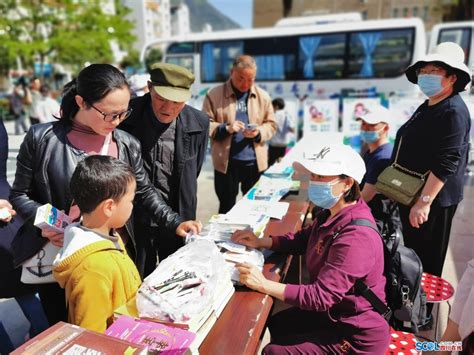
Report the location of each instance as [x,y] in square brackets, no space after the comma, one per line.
[183,285]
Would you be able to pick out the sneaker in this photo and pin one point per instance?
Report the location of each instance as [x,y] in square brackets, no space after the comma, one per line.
[428,324]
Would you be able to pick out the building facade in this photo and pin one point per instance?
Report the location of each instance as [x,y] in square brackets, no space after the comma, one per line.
[267,12]
[151,18]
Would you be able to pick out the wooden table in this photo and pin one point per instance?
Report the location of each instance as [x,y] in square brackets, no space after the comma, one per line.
[241,324]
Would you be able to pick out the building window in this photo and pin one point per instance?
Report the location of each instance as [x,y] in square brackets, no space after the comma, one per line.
[364,15]
[395,13]
[426,11]
[415,11]
[405,12]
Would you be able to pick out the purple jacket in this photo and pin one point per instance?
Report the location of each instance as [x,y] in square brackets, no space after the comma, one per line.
[357,253]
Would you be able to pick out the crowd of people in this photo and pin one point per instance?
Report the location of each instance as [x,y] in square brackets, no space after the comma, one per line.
[101,154]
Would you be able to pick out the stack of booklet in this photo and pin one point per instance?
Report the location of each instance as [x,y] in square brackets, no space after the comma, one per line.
[64,338]
[199,325]
[188,290]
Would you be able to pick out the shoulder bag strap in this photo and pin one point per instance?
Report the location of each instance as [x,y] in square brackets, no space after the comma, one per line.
[359,285]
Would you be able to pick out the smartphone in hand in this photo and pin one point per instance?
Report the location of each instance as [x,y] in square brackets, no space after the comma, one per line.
[252,126]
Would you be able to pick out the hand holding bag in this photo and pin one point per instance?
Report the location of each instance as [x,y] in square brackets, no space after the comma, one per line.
[399,183]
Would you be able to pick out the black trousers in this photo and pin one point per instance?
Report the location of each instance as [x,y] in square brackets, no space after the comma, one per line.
[53,300]
[430,242]
[160,244]
[227,185]
[274,153]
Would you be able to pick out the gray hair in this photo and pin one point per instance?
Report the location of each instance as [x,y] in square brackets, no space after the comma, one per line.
[244,62]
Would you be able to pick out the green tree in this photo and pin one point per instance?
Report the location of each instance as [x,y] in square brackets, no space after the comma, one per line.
[66,31]
[154,55]
[131,60]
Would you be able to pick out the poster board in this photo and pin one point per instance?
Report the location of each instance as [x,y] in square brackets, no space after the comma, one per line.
[320,116]
[351,108]
[402,108]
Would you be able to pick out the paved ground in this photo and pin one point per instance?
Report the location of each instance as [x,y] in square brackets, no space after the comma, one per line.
[460,252]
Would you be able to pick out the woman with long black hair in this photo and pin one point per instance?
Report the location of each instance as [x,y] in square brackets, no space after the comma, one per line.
[92,107]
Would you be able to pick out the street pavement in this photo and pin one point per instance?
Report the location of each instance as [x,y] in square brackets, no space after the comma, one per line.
[460,251]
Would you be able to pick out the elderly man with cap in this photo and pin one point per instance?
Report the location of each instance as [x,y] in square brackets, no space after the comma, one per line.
[435,141]
[375,124]
[174,139]
[242,121]
[328,316]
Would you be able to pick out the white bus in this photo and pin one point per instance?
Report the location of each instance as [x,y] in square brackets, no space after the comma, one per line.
[461,33]
[314,60]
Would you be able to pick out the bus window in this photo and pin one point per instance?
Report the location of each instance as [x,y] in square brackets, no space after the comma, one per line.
[275,57]
[380,54]
[181,48]
[186,61]
[321,56]
[217,59]
[461,36]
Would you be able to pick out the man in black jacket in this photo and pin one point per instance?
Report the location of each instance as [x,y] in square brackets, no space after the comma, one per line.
[174,139]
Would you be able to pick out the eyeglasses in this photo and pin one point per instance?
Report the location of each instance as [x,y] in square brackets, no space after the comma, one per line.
[111,117]
[430,71]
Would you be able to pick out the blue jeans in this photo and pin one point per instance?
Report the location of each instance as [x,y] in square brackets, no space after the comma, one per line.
[33,311]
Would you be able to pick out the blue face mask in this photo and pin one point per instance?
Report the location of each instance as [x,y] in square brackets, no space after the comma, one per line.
[430,84]
[370,136]
[320,193]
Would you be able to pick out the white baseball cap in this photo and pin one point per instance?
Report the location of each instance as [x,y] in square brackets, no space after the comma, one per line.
[334,159]
[376,114]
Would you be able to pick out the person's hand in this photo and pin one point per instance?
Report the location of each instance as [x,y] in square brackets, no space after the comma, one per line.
[235,127]
[251,133]
[246,237]
[189,226]
[419,214]
[55,238]
[4,204]
[251,277]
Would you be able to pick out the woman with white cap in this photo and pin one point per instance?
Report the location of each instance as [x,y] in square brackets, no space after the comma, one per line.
[328,317]
[435,141]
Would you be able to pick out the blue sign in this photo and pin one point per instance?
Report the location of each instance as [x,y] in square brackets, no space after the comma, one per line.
[47,69]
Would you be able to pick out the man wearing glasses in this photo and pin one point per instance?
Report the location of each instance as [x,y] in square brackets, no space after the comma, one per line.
[174,139]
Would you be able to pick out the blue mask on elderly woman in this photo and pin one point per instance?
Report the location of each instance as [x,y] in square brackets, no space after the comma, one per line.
[430,84]
[320,193]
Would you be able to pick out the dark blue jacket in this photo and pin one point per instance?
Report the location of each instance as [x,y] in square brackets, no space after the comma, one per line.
[436,139]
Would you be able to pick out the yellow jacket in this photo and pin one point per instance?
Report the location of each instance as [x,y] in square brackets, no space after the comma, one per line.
[97,278]
[220,104]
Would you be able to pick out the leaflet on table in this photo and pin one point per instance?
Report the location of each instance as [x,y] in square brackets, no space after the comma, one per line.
[256,223]
[245,208]
[279,170]
[271,189]
[250,256]
[215,232]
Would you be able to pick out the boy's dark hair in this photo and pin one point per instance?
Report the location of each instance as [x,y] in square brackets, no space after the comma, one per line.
[98,178]
[279,103]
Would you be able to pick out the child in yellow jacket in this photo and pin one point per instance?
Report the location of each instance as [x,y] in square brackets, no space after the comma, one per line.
[93,266]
